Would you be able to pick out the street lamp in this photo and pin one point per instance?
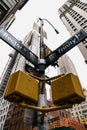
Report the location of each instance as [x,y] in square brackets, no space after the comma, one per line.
[44,19]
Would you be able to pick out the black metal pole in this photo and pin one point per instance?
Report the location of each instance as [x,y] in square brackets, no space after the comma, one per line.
[42,100]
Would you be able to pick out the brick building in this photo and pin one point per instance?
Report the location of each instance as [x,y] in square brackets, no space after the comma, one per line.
[63,118]
[56,119]
[15,119]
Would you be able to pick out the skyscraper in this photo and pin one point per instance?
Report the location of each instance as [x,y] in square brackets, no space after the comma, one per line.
[7,16]
[5,76]
[66,65]
[74,16]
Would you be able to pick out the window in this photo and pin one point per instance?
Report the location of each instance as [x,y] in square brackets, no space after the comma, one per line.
[79,112]
[72,114]
[84,9]
[85,106]
[85,21]
[76,113]
[84,111]
[81,24]
[2,126]
[85,27]
[80,16]
[62,114]
[75,29]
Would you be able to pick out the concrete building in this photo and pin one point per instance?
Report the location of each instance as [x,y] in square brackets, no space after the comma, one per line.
[73,15]
[60,118]
[80,110]
[5,76]
[4,106]
[8,8]
[66,65]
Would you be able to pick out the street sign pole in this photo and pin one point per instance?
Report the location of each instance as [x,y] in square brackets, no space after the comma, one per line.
[42,100]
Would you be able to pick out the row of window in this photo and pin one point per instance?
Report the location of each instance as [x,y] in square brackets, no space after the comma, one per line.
[71,24]
[4,110]
[78,18]
[83,107]
[84,111]
[4,103]
[76,113]
[82,6]
[2,118]
[1,126]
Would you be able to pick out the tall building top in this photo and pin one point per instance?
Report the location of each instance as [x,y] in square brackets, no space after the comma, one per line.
[74,17]
[68,5]
[66,65]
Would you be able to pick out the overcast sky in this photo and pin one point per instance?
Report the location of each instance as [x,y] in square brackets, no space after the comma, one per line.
[23,24]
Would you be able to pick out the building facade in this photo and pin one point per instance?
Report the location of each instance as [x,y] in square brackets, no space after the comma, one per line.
[73,15]
[5,76]
[58,119]
[4,106]
[80,110]
[8,8]
[66,65]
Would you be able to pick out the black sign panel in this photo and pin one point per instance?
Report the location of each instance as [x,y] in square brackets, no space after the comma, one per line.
[17,45]
[52,57]
[65,47]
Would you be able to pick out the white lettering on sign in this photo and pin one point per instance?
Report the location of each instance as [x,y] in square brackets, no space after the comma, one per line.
[9,39]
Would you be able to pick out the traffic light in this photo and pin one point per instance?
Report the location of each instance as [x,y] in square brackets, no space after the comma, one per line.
[67,90]
[22,87]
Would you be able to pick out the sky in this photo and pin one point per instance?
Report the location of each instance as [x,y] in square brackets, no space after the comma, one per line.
[23,25]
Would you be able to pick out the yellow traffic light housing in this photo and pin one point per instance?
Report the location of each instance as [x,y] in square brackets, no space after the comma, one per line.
[67,90]
[22,87]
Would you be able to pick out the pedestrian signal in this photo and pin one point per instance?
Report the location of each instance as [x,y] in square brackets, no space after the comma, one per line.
[67,90]
[22,87]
